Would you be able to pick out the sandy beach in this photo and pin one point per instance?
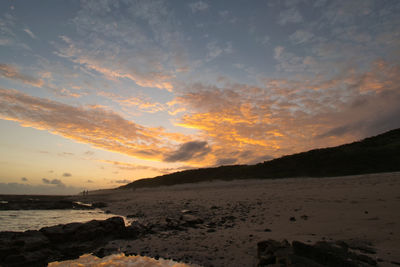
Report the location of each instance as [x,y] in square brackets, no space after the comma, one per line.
[236,215]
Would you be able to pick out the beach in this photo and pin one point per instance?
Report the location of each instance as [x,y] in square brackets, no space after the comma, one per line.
[224,220]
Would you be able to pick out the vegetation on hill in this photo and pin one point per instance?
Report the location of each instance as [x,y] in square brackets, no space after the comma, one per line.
[376,154]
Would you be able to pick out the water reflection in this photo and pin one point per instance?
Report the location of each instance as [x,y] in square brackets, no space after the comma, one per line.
[118,260]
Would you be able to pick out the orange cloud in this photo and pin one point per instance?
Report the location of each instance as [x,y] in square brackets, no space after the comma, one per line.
[151,79]
[131,166]
[237,123]
[11,72]
[288,116]
[143,104]
[382,76]
[157,79]
[91,125]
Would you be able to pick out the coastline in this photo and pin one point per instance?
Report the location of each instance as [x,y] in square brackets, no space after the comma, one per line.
[236,215]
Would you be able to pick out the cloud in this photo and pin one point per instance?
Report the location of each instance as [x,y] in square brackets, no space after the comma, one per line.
[292,115]
[24,188]
[150,78]
[91,125]
[67,174]
[291,15]
[9,27]
[89,153]
[214,50]
[301,36]
[235,119]
[24,179]
[291,62]
[188,151]
[65,154]
[198,6]
[30,33]
[67,93]
[124,181]
[378,118]
[142,103]
[130,166]
[12,73]
[226,161]
[143,30]
[5,41]
[56,182]
[346,12]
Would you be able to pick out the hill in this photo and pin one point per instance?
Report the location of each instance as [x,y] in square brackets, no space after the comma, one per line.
[376,154]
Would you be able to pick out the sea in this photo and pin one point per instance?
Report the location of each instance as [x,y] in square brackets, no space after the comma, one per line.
[22,220]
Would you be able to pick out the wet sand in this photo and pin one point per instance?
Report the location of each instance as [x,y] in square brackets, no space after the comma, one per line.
[238,214]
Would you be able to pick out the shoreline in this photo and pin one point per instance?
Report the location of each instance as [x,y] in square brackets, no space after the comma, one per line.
[236,215]
[222,223]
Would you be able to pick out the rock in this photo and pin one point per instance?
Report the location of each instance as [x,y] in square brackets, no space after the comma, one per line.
[99,205]
[112,227]
[173,224]
[191,220]
[323,253]
[274,253]
[34,240]
[362,246]
[186,211]
[269,250]
[304,217]
[136,229]
[37,248]
[102,252]
[15,259]
[138,214]
[292,219]
[42,204]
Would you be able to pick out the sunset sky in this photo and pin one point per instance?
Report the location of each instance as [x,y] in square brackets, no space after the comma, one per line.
[95,94]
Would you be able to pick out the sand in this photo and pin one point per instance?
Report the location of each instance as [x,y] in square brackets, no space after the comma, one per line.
[365,208]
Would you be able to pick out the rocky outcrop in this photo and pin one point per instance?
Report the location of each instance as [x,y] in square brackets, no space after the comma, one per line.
[42,204]
[61,242]
[298,254]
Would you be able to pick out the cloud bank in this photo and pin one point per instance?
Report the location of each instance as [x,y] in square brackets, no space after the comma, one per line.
[50,189]
[91,125]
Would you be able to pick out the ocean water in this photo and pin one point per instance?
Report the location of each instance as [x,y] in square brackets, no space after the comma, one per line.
[22,220]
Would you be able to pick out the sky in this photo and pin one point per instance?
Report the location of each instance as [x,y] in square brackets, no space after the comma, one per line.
[96,94]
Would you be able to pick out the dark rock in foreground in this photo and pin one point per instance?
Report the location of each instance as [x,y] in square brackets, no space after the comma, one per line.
[61,242]
[298,254]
